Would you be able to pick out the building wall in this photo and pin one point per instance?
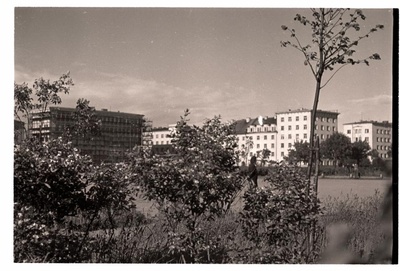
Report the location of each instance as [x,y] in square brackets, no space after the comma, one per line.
[120,132]
[377,134]
[293,126]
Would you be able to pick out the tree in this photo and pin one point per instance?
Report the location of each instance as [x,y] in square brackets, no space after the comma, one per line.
[263,155]
[359,151]
[197,183]
[86,123]
[46,93]
[337,147]
[333,43]
[299,153]
[389,152]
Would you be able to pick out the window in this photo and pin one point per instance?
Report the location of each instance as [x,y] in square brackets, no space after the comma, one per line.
[305,127]
[322,136]
[290,119]
[366,139]
[323,119]
[282,136]
[322,127]
[328,128]
[258,137]
[297,118]
[282,128]
[366,131]
[316,126]
[156,136]
[385,148]
[162,142]
[305,136]
[290,127]
[297,127]
[265,137]
[272,137]
[328,119]
[289,136]
[272,154]
[156,142]
[333,128]
[272,145]
[297,136]
[282,145]
[282,154]
[258,146]
[265,146]
[328,136]
[316,118]
[348,132]
[250,137]
[258,129]
[243,138]
[305,118]
[290,145]
[162,135]
[282,119]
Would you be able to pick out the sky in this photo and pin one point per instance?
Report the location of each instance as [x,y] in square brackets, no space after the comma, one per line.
[213,61]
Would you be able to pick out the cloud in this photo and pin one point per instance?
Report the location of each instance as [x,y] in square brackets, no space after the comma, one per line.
[378,99]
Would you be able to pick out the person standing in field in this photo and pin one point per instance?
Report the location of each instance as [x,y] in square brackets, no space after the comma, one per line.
[253,174]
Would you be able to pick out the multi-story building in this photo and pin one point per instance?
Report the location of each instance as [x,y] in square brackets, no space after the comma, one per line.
[119,132]
[19,131]
[161,139]
[377,134]
[255,135]
[295,125]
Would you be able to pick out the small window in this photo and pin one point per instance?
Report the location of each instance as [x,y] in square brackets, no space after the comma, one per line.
[289,136]
[272,154]
[265,137]
[297,127]
[366,131]
[290,145]
[305,136]
[282,136]
[272,145]
[305,127]
[282,145]
[272,137]
[258,146]
[258,137]
[297,118]
[290,119]
[290,127]
[305,118]
[282,119]
[282,128]
[282,154]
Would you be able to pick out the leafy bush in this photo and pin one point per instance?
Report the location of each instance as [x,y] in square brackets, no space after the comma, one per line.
[276,218]
[52,183]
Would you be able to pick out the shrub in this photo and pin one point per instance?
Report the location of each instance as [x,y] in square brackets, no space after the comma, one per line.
[276,218]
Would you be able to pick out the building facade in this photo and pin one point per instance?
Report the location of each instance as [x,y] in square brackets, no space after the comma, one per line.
[377,134]
[295,125]
[19,132]
[254,135]
[119,132]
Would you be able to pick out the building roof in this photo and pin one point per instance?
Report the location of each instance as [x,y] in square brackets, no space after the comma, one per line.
[307,110]
[159,129]
[102,112]
[376,123]
[240,126]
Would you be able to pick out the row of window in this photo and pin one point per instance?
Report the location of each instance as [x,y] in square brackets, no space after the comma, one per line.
[162,142]
[161,136]
[261,129]
[297,127]
[382,147]
[290,118]
[366,131]
[328,128]
[272,154]
[383,139]
[323,119]
[258,137]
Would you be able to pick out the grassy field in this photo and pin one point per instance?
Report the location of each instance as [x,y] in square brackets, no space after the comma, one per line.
[327,189]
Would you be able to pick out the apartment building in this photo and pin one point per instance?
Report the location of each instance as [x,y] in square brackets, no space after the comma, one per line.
[119,132]
[295,125]
[256,134]
[377,134]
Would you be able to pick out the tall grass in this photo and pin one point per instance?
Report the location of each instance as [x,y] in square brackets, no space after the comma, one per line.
[222,240]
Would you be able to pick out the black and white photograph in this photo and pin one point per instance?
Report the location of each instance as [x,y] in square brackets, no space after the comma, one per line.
[179,134]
